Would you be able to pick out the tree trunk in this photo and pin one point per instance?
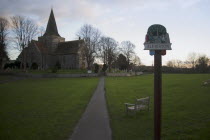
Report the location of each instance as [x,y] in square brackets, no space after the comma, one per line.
[109,68]
[88,65]
[128,67]
[1,63]
[42,63]
[24,60]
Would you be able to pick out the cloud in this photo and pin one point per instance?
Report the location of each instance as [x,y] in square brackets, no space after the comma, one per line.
[84,9]
[121,19]
[40,9]
[188,3]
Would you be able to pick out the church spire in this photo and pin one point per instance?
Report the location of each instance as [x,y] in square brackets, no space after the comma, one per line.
[51,26]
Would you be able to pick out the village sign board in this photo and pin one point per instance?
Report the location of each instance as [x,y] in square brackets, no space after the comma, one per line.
[157,38]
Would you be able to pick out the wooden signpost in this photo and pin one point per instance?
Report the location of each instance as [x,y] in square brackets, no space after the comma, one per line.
[157,41]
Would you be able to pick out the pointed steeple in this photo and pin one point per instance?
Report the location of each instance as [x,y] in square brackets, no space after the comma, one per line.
[51,26]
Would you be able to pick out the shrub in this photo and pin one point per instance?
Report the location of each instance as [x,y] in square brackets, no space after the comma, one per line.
[17,64]
[34,66]
[54,70]
[104,67]
[96,68]
[58,65]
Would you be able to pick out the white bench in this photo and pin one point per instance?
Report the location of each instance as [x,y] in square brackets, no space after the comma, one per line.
[140,104]
[207,82]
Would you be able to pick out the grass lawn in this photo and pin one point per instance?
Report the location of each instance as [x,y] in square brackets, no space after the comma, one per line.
[43,109]
[4,78]
[185,108]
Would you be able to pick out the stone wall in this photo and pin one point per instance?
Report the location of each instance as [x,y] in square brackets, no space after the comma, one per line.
[124,74]
[50,75]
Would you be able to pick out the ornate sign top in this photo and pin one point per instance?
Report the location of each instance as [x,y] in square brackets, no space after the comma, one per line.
[157,38]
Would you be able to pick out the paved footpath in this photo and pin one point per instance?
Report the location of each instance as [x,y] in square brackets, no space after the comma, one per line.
[94,124]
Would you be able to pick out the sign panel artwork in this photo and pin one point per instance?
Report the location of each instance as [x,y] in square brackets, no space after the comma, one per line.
[157,38]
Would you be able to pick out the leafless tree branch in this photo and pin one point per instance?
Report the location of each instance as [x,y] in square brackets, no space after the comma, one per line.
[4,25]
[91,37]
[24,30]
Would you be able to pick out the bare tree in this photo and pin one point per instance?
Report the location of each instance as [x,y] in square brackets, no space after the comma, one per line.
[175,63]
[202,63]
[127,48]
[91,37]
[41,30]
[170,64]
[4,25]
[24,30]
[108,51]
[136,60]
[179,63]
[209,62]
[192,57]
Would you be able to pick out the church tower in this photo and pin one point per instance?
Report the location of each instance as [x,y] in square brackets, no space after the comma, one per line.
[51,37]
[51,26]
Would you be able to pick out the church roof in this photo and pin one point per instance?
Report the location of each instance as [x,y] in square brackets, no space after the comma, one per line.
[51,26]
[41,47]
[69,47]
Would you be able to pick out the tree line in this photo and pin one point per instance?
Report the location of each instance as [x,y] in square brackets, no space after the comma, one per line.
[195,63]
[98,48]
[107,50]
[18,31]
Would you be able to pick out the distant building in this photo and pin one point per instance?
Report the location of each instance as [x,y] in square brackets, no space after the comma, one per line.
[51,49]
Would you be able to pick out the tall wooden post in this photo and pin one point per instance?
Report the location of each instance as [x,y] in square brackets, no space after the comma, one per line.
[157,94]
[157,41]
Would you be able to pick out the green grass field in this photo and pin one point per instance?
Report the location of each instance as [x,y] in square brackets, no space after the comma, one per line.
[185,108]
[4,78]
[43,109]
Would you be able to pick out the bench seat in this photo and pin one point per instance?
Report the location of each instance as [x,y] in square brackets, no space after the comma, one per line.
[140,104]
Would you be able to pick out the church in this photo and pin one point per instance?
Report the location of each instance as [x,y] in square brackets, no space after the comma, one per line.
[51,49]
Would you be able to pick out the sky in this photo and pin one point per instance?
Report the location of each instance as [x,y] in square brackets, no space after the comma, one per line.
[186,21]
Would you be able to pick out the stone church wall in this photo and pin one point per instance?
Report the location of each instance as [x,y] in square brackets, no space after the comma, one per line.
[51,41]
[33,56]
[51,61]
[68,61]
